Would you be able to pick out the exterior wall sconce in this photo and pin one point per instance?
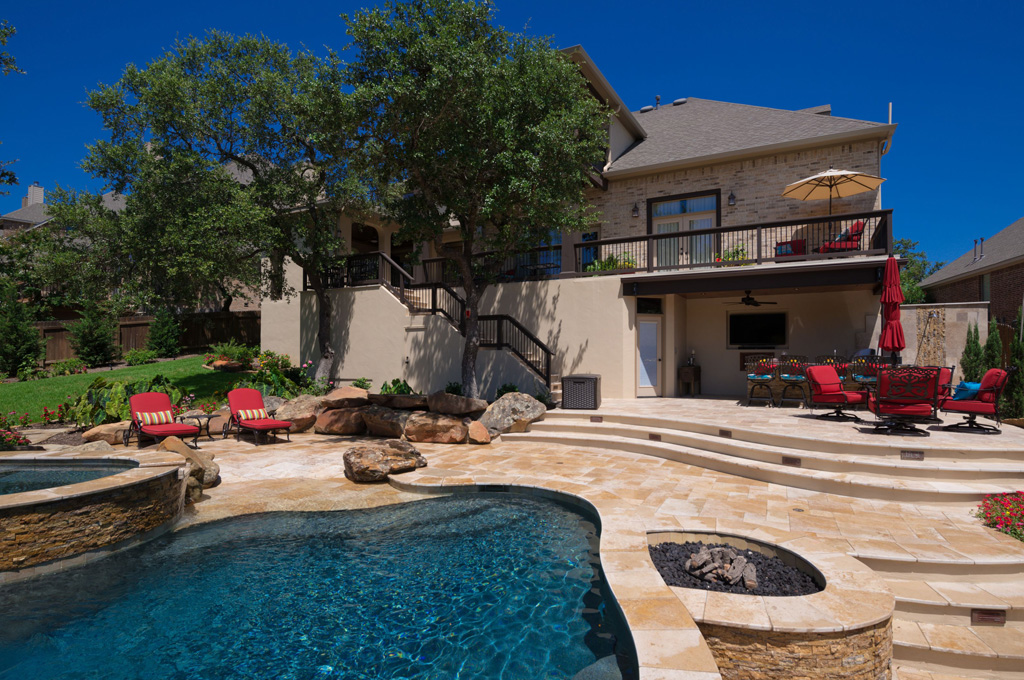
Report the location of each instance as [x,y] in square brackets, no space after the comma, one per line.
[636,209]
[732,198]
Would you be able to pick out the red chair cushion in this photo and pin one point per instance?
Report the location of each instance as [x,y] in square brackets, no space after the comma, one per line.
[245,398]
[906,409]
[171,430]
[824,380]
[968,406]
[148,402]
[990,383]
[266,424]
[851,398]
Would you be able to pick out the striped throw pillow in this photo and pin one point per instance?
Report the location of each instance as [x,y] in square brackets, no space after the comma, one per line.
[155,418]
[253,414]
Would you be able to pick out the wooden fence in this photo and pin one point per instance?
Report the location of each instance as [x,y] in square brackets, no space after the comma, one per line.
[199,332]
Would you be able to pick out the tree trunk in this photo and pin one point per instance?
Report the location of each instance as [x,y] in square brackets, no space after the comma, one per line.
[325,367]
[470,387]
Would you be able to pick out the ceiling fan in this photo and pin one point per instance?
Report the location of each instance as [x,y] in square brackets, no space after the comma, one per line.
[750,301]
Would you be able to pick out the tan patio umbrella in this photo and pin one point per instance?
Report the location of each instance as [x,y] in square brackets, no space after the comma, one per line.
[832,183]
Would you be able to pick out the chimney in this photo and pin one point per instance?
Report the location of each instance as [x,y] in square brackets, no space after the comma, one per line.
[35,195]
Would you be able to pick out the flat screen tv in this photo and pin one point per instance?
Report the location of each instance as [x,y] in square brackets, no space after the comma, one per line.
[757,331]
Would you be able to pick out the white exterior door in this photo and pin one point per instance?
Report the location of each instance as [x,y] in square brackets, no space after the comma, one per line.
[648,357]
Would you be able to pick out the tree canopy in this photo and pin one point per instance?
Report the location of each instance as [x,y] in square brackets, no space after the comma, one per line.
[8,65]
[916,270]
[470,126]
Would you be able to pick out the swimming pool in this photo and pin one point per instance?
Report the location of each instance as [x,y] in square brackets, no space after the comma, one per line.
[15,478]
[488,586]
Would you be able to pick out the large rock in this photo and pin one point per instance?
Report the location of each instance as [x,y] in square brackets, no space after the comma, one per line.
[98,446]
[111,433]
[228,366]
[402,402]
[301,412]
[478,434]
[273,402]
[221,418]
[436,428]
[203,467]
[375,463]
[512,413]
[385,422]
[340,421]
[345,397]
[454,405]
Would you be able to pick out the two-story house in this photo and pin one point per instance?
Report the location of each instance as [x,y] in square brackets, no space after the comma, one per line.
[696,255]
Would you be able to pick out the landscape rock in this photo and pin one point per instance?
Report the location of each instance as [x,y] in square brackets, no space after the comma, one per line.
[346,397]
[340,421]
[229,366]
[404,402]
[478,434]
[203,467]
[99,446]
[111,433]
[512,413]
[300,411]
[375,463]
[272,402]
[385,422]
[454,405]
[216,423]
[193,490]
[436,428]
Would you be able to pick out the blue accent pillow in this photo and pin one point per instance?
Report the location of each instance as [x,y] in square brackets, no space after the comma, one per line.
[784,249]
[966,391]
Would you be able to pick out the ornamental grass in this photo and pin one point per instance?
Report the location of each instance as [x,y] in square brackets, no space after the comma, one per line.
[1003,512]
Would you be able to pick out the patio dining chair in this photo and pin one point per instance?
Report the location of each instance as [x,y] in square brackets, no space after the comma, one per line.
[793,374]
[827,390]
[153,416]
[760,370]
[905,395]
[249,414]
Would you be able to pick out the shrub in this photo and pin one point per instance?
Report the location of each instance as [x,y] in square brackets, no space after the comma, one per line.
[505,389]
[92,338]
[1003,512]
[26,373]
[271,381]
[107,402]
[992,353]
[281,362]
[396,386]
[233,351]
[454,388]
[10,440]
[138,357]
[72,366]
[971,361]
[612,263]
[363,384]
[58,416]
[20,343]
[544,397]
[1014,390]
[165,334]
[13,420]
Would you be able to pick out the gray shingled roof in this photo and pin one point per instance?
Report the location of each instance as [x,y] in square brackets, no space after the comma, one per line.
[702,127]
[1005,247]
[30,214]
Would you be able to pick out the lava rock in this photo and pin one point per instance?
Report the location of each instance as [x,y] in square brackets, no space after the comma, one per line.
[773,576]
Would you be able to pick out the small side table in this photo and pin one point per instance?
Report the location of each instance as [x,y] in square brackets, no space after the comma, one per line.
[689,376]
[201,421]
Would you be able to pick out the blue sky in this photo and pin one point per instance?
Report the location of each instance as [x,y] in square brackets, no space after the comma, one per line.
[953,72]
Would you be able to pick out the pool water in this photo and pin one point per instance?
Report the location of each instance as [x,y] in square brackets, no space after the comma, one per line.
[18,478]
[488,586]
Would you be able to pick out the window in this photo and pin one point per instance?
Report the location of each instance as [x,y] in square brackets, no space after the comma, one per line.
[986,287]
[695,213]
[648,305]
[757,331]
[685,206]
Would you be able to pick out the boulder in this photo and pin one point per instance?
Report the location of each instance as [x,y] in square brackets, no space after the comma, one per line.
[478,434]
[512,413]
[454,405]
[229,366]
[272,403]
[300,411]
[98,446]
[435,427]
[203,467]
[223,416]
[403,402]
[385,422]
[375,463]
[193,490]
[111,433]
[340,421]
[345,397]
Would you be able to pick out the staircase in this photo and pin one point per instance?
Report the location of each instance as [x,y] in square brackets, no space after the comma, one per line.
[497,331]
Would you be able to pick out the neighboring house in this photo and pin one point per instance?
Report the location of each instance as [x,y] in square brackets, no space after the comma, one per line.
[32,213]
[992,271]
[690,218]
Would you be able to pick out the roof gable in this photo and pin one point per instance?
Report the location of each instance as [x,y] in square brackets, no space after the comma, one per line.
[1003,248]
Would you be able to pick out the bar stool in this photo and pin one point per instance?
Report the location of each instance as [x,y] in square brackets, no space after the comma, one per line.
[760,373]
[793,373]
[864,370]
[836,361]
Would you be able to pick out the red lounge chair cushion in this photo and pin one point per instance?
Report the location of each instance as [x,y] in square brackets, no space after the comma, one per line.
[266,424]
[170,430]
[907,409]
[155,417]
[848,240]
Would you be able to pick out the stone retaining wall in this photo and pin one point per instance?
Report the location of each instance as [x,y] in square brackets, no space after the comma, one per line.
[743,654]
[38,533]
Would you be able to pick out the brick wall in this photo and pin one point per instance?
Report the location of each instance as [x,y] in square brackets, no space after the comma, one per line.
[1006,289]
[757,184]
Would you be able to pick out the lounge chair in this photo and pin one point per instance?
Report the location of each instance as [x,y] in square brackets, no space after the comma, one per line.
[153,416]
[827,390]
[985,402]
[248,413]
[847,241]
[906,395]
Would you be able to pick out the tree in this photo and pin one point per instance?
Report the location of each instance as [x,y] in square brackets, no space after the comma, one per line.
[7,67]
[20,342]
[916,270]
[164,334]
[467,124]
[1015,385]
[972,360]
[92,337]
[244,109]
[992,353]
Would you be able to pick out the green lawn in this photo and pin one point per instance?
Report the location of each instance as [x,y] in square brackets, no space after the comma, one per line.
[188,374]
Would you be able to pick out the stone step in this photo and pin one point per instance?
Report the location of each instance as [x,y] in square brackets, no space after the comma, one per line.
[940,470]
[845,484]
[952,602]
[976,651]
[997,570]
[908,672]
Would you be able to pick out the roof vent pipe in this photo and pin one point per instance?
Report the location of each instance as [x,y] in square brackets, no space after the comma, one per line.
[981,251]
[657,101]
[975,251]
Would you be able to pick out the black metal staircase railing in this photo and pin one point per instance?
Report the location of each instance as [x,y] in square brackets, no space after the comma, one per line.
[497,331]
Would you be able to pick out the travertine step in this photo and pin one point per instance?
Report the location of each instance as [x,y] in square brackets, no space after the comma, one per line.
[976,651]
[846,484]
[907,672]
[951,602]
